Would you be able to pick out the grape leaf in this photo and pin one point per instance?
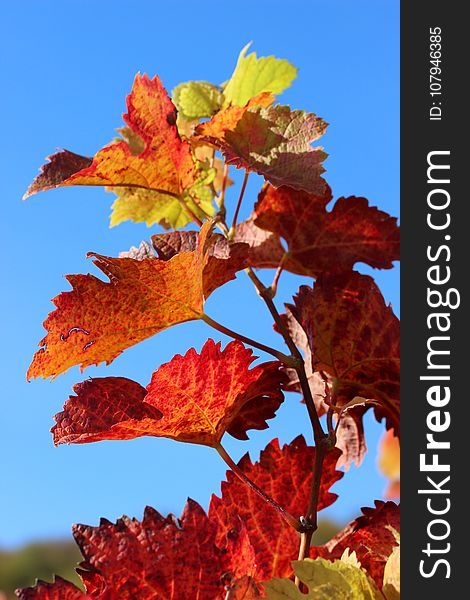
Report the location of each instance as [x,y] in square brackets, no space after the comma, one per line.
[319,240]
[225,258]
[165,165]
[59,589]
[391,584]
[355,339]
[389,463]
[144,250]
[273,141]
[372,537]
[253,76]
[96,321]
[338,580]
[159,557]
[197,99]
[193,398]
[285,474]
[266,250]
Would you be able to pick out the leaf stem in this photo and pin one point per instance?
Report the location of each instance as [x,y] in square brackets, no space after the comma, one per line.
[221,199]
[292,521]
[277,275]
[287,360]
[237,209]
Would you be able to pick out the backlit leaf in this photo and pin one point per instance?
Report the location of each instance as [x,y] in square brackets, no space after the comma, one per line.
[285,474]
[165,165]
[355,339]
[253,76]
[338,580]
[319,240]
[391,584]
[97,320]
[197,99]
[273,141]
[389,463]
[372,537]
[59,589]
[193,398]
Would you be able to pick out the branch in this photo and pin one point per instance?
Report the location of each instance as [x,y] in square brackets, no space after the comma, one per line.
[296,358]
[290,520]
[287,360]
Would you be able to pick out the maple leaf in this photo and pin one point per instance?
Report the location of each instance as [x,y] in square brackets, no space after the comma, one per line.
[197,99]
[151,157]
[319,240]
[326,581]
[97,320]
[273,141]
[389,463]
[354,338]
[285,474]
[59,589]
[224,261]
[157,558]
[373,536]
[193,398]
[253,76]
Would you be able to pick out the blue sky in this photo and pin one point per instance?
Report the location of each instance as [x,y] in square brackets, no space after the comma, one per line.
[66,69]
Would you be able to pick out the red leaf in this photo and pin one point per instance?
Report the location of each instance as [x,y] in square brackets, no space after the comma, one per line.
[355,339]
[370,536]
[165,164]
[193,398]
[285,474]
[96,321]
[157,558]
[319,240]
[60,589]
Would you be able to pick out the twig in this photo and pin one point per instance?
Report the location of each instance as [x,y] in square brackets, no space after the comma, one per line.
[237,209]
[297,361]
[292,521]
[277,276]
[287,360]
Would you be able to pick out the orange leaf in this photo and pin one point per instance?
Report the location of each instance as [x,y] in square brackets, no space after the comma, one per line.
[193,398]
[286,475]
[389,463]
[96,321]
[166,163]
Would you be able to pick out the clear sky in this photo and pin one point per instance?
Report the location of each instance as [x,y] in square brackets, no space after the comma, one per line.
[66,69]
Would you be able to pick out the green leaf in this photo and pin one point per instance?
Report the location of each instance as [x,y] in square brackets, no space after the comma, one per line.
[150,207]
[339,580]
[253,76]
[197,99]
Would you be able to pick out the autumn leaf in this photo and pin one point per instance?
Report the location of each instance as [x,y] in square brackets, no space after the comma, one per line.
[224,261]
[319,240]
[354,338]
[266,250]
[389,463]
[165,165]
[253,76]
[59,589]
[391,583]
[97,320]
[193,398]
[325,581]
[197,99]
[285,474]
[373,536]
[273,141]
